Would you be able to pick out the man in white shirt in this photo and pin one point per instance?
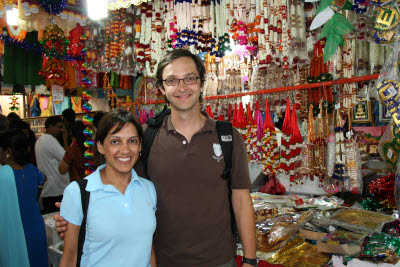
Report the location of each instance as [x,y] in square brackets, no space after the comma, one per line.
[49,154]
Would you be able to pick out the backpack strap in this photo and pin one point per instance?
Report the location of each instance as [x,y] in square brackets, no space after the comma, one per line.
[225,137]
[85,197]
[153,125]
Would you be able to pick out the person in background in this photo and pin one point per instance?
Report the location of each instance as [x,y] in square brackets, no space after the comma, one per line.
[15,153]
[3,122]
[97,117]
[68,116]
[49,154]
[74,159]
[26,128]
[11,117]
[121,212]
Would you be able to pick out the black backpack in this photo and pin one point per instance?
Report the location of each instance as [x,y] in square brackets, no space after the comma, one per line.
[225,137]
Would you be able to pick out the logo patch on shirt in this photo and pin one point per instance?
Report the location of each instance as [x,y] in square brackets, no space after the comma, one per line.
[226,138]
[217,152]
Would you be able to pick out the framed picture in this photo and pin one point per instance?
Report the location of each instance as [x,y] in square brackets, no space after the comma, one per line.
[362,111]
[384,114]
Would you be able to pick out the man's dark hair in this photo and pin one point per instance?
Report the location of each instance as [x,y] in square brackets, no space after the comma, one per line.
[69,115]
[53,120]
[175,54]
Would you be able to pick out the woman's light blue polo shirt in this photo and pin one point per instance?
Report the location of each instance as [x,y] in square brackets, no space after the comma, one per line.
[119,228]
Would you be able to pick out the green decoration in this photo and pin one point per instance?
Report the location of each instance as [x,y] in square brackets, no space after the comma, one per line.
[334,30]
[324,4]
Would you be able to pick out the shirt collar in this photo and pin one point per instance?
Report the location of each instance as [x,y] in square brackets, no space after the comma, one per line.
[208,126]
[95,183]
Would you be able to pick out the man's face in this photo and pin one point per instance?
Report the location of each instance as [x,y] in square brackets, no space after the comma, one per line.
[57,129]
[182,97]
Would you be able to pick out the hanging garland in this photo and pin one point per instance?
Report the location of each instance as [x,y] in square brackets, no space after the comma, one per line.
[53,7]
[38,48]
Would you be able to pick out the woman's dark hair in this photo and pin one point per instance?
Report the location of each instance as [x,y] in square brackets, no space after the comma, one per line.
[77,129]
[17,142]
[118,117]
[175,54]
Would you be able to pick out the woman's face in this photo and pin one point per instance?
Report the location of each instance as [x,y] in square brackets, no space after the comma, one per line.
[121,149]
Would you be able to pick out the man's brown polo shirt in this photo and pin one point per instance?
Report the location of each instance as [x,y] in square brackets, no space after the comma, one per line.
[193,218]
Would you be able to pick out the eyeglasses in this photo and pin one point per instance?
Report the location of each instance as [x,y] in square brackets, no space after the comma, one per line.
[175,81]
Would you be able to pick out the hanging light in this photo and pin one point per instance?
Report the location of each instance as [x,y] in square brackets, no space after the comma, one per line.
[97,9]
[12,16]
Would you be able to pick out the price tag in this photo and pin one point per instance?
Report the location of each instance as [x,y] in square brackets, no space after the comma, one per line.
[319,116]
[348,134]
[337,106]
[392,91]
[390,153]
[276,118]
[57,92]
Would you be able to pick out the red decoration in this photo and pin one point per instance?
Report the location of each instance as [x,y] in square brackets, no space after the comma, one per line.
[382,189]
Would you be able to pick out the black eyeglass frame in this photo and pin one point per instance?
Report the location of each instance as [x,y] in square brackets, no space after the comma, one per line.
[183,80]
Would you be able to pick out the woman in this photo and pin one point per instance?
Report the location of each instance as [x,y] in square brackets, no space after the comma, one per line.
[121,213]
[74,159]
[15,149]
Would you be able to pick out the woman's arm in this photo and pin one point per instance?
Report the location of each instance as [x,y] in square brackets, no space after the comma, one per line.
[70,253]
[63,167]
[153,262]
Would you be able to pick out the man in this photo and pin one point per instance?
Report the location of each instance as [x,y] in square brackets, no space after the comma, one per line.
[49,154]
[193,216]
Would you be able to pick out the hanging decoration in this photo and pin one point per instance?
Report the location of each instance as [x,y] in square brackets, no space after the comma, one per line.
[37,48]
[340,172]
[53,7]
[319,73]
[114,101]
[320,148]
[87,120]
[306,169]
[335,28]
[270,145]
[88,132]
[120,4]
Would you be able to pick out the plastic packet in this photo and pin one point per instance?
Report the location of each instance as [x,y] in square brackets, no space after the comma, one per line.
[360,221]
[274,233]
